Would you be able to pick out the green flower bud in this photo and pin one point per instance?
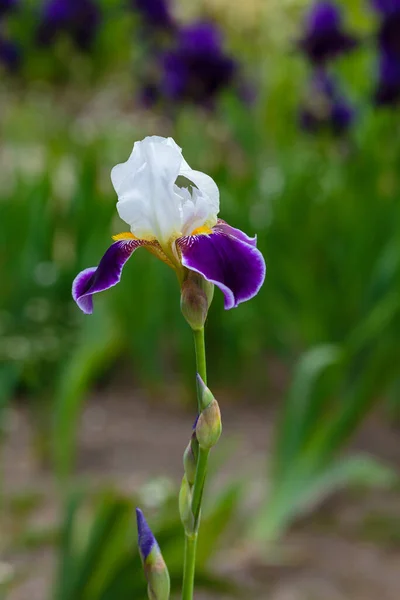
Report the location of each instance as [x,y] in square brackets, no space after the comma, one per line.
[205,394]
[196,297]
[185,506]
[190,459]
[209,426]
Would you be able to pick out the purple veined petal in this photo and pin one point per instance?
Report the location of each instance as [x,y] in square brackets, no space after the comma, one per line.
[233,265]
[226,229]
[106,275]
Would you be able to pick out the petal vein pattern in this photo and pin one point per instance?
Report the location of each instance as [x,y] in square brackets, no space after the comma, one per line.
[236,266]
[106,275]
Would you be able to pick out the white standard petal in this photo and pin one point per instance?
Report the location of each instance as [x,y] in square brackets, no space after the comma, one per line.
[195,211]
[204,183]
[150,201]
[145,188]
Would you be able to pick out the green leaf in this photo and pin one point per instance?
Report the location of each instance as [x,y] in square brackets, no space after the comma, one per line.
[297,416]
[99,344]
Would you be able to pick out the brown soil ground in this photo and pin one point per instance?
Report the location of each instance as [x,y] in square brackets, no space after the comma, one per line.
[333,554]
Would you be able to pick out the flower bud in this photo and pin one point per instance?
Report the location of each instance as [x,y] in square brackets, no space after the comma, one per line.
[185,506]
[196,297]
[204,393]
[155,569]
[190,459]
[208,426]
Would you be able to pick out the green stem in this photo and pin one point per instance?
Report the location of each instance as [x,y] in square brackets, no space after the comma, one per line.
[198,487]
[200,350]
[189,566]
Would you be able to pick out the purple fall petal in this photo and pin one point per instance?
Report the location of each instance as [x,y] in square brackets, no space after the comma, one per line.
[235,266]
[146,539]
[223,227]
[107,274]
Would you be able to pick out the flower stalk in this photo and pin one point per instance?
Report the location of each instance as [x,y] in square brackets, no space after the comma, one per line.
[205,402]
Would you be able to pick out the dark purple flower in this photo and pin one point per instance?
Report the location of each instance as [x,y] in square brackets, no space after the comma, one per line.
[386,7]
[79,19]
[6,6]
[10,55]
[324,37]
[149,95]
[324,107]
[197,69]
[387,92]
[389,34]
[155,13]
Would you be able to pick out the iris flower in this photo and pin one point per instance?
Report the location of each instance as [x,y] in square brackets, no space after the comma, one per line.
[10,54]
[78,18]
[6,6]
[387,92]
[179,225]
[196,69]
[389,29]
[325,107]
[156,14]
[324,37]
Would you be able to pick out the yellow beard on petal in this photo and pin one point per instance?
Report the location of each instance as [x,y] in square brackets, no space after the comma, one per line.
[124,236]
[151,245]
[203,230]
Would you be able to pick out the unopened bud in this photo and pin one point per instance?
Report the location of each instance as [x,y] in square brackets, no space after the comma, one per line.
[185,506]
[190,459]
[196,297]
[208,426]
[155,569]
[205,394]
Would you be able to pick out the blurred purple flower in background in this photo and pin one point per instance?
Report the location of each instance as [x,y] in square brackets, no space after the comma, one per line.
[10,55]
[324,107]
[324,37]
[197,68]
[155,13]
[387,92]
[6,6]
[79,19]
[389,29]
